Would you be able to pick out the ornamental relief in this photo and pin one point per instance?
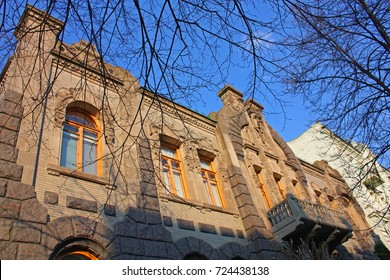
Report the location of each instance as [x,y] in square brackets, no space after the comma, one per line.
[257,122]
[233,101]
[207,144]
[247,139]
[190,158]
[63,98]
[222,171]
[252,160]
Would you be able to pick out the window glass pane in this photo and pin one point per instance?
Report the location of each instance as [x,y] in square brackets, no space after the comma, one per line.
[206,189]
[166,179]
[164,162]
[80,118]
[168,152]
[217,199]
[175,165]
[89,156]
[70,128]
[68,150]
[205,164]
[90,134]
[178,184]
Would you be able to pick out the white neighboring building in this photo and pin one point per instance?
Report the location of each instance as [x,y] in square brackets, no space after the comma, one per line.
[370,182]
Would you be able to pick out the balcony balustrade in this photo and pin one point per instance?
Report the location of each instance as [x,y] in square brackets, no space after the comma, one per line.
[296,220]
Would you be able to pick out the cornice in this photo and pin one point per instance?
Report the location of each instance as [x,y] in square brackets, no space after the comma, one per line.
[89,73]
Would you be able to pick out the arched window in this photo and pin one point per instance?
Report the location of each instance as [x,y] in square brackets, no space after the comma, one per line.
[80,147]
[78,249]
[77,254]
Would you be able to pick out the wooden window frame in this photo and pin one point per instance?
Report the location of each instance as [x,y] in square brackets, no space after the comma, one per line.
[263,192]
[81,128]
[205,173]
[172,188]
[85,254]
[278,181]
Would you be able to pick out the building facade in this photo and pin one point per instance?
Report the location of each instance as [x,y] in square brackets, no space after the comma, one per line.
[367,179]
[93,166]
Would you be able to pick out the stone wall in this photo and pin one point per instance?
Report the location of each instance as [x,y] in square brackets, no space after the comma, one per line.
[22,217]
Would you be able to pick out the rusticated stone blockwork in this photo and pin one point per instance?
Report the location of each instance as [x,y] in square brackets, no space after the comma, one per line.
[185,224]
[81,204]
[51,198]
[226,231]
[110,210]
[207,228]
[220,189]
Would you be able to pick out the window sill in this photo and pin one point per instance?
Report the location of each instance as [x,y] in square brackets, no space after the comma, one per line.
[60,170]
[196,204]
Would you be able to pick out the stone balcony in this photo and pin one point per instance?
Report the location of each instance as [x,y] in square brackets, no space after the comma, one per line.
[295,219]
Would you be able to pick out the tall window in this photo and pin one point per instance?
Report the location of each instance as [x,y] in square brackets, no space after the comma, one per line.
[79,149]
[278,180]
[210,183]
[264,193]
[172,171]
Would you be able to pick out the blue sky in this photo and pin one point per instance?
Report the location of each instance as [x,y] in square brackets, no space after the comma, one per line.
[289,121]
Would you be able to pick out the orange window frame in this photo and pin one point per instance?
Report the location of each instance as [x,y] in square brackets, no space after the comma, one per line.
[206,177]
[280,188]
[263,192]
[169,168]
[80,136]
[85,254]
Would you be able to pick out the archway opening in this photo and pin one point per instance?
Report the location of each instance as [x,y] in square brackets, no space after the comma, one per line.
[77,249]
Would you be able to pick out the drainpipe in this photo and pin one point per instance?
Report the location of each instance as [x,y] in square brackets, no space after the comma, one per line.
[42,124]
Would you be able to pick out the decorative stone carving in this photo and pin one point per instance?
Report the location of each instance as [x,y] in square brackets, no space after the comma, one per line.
[258,125]
[235,102]
[232,98]
[190,158]
[63,97]
[222,171]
